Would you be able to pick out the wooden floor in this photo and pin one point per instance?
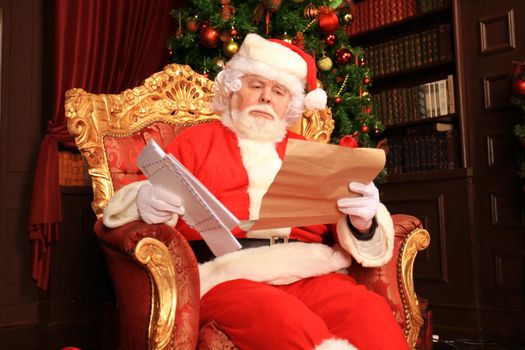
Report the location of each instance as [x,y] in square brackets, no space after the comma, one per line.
[472,344]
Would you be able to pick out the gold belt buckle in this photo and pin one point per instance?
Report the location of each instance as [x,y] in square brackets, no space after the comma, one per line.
[276,240]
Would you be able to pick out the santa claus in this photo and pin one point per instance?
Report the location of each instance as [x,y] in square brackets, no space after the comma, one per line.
[293,295]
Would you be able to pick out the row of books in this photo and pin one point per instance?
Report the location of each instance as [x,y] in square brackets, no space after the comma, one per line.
[425,148]
[371,14]
[72,170]
[404,105]
[411,51]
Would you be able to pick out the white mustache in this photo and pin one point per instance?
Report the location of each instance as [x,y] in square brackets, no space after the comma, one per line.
[262,108]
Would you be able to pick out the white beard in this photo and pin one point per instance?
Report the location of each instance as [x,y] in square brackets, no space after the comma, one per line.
[254,128]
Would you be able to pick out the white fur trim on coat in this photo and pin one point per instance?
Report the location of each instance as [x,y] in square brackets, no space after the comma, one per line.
[376,251]
[335,344]
[261,161]
[277,264]
[122,207]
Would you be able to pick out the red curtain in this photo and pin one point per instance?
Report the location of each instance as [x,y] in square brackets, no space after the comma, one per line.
[102,46]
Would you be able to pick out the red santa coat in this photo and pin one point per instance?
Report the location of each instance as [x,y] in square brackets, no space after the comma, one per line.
[211,153]
[218,158]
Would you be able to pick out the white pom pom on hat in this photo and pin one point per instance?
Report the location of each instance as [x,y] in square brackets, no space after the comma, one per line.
[284,62]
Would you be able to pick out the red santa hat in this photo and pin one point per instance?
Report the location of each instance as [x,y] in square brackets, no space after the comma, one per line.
[283,62]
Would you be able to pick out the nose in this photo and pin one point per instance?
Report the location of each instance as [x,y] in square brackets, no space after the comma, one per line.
[265,96]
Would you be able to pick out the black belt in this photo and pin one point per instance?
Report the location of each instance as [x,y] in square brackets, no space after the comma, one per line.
[203,253]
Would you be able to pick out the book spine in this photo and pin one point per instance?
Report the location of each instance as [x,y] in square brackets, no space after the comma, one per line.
[451,95]
[451,141]
[442,97]
[445,42]
[434,45]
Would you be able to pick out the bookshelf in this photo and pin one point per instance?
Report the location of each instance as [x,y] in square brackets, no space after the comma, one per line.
[472,273]
[412,63]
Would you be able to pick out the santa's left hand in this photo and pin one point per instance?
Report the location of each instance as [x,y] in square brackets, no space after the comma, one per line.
[360,210]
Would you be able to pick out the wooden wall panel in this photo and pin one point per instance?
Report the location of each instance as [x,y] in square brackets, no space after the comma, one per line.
[20,136]
[494,36]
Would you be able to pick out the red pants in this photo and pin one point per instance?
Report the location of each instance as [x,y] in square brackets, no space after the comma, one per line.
[301,315]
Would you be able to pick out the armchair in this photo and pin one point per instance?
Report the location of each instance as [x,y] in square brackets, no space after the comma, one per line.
[153,268]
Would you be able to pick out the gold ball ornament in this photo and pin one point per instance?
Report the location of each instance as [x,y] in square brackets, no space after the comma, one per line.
[324,63]
[286,38]
[230,48]
[219,62]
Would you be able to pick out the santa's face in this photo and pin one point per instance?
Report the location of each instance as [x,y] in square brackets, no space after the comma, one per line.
[256,90]
[259,109]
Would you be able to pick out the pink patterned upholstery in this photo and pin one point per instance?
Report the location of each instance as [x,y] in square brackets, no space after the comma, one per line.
[212,338]
[122,150]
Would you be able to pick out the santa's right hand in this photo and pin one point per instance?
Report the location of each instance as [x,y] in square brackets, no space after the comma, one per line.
[156,205]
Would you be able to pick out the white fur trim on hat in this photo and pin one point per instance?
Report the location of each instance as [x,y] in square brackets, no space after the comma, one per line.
[335,344]
[248,65]
[276,264]
[273,54]
[315,99]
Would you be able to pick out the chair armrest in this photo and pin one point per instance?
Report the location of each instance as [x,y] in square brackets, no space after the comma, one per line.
[156,281]
[394,280]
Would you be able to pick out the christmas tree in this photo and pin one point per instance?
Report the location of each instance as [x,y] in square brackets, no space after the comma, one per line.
[209,32]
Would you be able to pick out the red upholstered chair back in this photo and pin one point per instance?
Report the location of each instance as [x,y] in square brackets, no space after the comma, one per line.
[121,152]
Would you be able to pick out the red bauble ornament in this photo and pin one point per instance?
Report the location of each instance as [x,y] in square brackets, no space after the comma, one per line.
[377,131]
[338,99]
[225,36]
[192,25]
[518,87]
[328,21]
[366,80]
[233,32]
[330,40]
[365,129]
[362,62]
[355,133]
[343,56]
[209,37]
[298,40]
[348,141]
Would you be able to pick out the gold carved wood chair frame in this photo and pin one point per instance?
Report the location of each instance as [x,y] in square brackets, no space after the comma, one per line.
[180,96]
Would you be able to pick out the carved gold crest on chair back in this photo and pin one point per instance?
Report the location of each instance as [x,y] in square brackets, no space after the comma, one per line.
[110,131]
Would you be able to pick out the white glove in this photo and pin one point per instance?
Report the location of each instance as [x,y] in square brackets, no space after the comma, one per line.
[157,206]
[360,210]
